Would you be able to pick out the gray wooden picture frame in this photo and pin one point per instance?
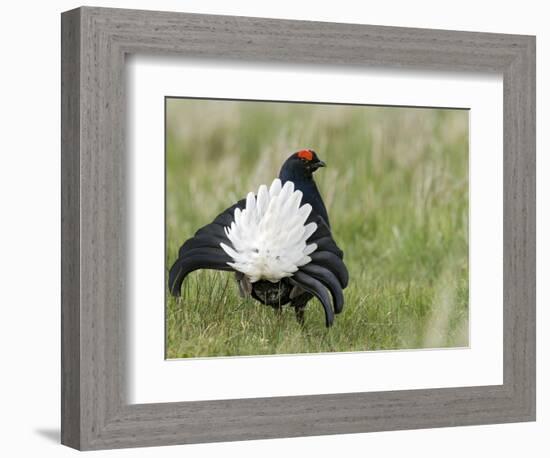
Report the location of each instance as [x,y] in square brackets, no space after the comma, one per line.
[95,412]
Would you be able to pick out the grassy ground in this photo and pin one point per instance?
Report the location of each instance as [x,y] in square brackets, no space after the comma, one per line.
[396,188]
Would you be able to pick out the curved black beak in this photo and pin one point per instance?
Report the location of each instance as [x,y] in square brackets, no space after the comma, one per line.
[318,164]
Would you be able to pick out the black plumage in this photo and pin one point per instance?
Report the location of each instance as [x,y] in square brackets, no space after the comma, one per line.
[324,277]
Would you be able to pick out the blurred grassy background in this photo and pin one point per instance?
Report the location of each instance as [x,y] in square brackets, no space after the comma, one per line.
[396,189]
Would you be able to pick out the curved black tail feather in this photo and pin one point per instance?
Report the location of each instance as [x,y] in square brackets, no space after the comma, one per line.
[315,287]
[327,278]
[198,259]
[333,263]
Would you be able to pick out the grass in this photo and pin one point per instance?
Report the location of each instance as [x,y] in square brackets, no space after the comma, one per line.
[396,188]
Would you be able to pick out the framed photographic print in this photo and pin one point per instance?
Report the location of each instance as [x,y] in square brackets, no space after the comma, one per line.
[286,228]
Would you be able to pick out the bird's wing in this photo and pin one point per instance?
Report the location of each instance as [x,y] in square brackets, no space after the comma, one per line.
[325,271]
[203,251]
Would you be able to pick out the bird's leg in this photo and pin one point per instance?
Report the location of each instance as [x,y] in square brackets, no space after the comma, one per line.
[300,312]
[245,287]
[279,307]
[299,300]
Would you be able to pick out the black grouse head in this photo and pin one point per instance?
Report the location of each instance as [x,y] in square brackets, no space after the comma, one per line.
[300,166]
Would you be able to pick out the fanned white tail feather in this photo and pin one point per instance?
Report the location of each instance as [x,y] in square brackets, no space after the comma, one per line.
[269,236]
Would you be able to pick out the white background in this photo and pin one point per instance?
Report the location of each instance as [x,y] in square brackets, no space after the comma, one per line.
[154,379]
[29,242]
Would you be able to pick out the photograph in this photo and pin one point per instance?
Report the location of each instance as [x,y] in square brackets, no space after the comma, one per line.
[305,227]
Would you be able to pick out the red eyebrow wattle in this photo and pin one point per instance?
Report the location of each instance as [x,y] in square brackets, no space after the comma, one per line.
[305,154]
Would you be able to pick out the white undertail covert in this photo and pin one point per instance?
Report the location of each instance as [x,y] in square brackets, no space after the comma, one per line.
[269,235]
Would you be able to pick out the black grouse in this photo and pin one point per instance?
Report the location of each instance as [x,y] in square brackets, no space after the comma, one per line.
[277,241]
